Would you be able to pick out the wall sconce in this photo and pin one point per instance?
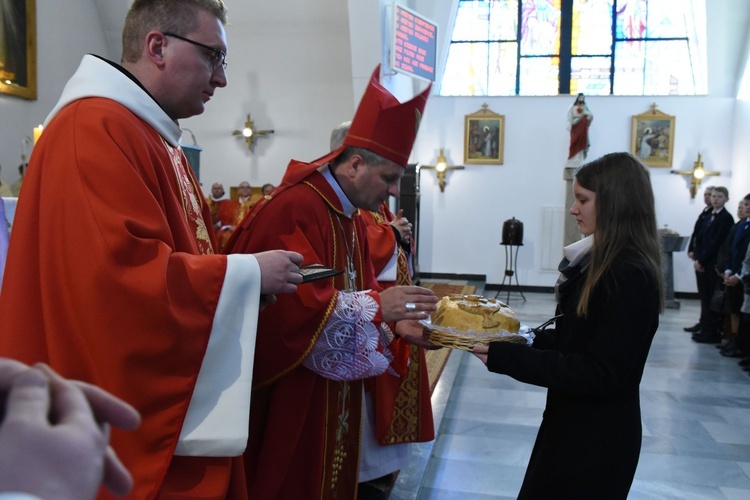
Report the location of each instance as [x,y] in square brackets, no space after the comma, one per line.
[441,168]
[250,134]
[696,175]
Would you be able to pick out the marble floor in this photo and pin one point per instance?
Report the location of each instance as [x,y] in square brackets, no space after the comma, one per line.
[696,422]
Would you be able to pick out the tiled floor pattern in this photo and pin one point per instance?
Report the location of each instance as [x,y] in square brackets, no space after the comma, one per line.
[696,422]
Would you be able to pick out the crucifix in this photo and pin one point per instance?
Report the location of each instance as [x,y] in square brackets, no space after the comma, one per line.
[250,134]
[696,175]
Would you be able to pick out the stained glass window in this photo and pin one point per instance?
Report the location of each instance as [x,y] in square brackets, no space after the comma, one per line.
[598,47]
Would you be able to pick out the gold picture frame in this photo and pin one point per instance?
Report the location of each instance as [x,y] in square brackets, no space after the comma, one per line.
[652,138]
[484,136]
[18,49]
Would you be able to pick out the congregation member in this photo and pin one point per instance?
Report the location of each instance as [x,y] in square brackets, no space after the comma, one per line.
[396,411]
[317,345]
[712,233]
[610,296]
[744,334]
[267,189]
[112,276]
[691,250]
[244,200]
[730,267]
[223,209]
[224,213]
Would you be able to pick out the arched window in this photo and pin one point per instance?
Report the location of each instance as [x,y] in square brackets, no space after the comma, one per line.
[597,47]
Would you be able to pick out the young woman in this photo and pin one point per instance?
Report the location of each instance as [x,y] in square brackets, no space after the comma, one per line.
[610,296]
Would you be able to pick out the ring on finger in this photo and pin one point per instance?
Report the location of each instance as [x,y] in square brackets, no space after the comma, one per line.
[411,306]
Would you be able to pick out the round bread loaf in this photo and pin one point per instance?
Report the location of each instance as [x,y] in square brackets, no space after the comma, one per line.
[475,313]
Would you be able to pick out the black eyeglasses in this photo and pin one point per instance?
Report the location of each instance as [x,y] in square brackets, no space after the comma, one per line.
[217,57]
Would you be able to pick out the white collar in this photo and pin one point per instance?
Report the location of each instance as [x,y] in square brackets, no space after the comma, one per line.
[346,206]
[96,77]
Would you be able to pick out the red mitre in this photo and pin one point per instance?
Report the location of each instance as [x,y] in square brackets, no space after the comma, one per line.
[385,126]
[382,124]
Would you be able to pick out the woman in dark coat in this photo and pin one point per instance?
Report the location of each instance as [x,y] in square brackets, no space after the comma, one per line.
[610,296]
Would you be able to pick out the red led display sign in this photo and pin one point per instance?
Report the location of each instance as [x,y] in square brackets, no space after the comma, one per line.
[414,48]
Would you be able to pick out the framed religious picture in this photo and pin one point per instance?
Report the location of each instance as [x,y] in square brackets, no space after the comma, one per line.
[484,133]
[18,48]
[652,138]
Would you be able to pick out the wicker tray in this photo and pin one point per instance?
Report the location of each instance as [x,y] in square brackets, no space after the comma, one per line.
[456,339]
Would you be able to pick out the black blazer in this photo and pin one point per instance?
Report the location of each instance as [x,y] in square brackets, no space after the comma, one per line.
[733,250]
[710,238]
[590,437]
[697,227]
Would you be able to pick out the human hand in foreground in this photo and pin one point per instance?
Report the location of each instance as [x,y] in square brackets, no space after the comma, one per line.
[279,271]
[403,226]
[481,351]
[407,302]
[413,332]
[55,433]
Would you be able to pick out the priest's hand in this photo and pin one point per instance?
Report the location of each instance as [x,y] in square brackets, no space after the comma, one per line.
[54,438]
[407,302]
[412,331]
[403,226]
[481,351]
[267,300]
[279,271]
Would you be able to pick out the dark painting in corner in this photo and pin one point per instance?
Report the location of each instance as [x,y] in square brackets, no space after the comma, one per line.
[18,48]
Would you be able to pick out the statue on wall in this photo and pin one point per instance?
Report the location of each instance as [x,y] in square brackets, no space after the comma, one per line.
[579,121]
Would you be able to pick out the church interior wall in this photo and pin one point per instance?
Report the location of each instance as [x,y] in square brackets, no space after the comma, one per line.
[299,67]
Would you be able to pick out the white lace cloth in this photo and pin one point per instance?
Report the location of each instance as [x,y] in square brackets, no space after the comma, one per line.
[348,345]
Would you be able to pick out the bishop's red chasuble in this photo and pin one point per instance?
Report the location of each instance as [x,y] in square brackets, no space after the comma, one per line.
[304,428]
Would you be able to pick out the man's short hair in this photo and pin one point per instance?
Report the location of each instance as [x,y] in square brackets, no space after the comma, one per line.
[176,16]
[722,189]
[371,159]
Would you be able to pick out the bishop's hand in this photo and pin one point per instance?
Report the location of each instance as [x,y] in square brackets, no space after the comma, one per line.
[407,302]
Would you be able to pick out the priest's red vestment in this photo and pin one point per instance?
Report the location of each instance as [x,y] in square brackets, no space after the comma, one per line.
[111,277]
[403,410]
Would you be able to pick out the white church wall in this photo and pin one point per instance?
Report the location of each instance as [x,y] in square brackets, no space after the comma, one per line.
[289,65]
[461,228]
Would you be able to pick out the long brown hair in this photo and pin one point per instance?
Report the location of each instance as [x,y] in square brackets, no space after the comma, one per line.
[625,221]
